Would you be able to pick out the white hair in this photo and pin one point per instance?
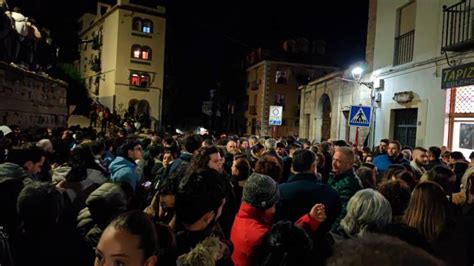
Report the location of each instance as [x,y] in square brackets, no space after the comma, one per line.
[46,145]
[270,144]
[367,210]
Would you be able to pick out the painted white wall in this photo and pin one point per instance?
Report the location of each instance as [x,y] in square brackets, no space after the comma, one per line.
[430,100]
[428,28]
[385,31]
[419,76]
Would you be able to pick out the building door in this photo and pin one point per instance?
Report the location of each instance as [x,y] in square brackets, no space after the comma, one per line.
[405,126]
[326,123]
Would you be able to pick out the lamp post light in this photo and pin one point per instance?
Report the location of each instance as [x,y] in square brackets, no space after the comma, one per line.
[357,73]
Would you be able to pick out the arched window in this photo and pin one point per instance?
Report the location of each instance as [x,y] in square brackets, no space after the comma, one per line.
[137,24]
[147,26]
[139,79]
[141,52]
[136,51]
[135,79]
[144,80]
[146,53]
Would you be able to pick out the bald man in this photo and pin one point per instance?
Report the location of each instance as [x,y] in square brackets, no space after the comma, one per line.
[343,179]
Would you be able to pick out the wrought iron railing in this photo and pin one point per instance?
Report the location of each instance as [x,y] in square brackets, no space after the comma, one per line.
[404,48]
[457,32]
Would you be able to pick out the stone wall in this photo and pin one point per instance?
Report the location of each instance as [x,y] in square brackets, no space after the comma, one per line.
[31,100]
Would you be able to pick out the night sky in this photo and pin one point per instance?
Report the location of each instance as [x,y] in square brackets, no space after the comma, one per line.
[206,40]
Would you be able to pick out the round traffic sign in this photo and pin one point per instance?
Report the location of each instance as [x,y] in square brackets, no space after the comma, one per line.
[275,111]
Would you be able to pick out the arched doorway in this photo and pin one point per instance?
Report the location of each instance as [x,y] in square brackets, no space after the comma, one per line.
[132,107]
[143,107]
[143,113]
[325,109]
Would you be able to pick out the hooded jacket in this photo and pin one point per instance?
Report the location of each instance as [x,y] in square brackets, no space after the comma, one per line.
[103,205]
[13,170]
[123,170]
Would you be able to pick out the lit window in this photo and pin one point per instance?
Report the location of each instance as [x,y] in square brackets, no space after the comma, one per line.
[145,54]
[144,81]
[147,26]
[136,53]
[135,80]
[146,29]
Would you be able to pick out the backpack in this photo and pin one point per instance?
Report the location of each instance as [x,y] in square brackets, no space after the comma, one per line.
[5,252]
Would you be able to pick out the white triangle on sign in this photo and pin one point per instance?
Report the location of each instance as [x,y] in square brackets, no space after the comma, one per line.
[360,117]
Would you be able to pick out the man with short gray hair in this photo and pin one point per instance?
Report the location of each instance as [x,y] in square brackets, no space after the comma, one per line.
[270,149]
[343,179]
[270,144]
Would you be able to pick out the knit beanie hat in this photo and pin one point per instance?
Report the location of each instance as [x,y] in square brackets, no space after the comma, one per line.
[260,191]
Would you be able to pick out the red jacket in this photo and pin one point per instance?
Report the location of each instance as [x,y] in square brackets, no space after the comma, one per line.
[249,227]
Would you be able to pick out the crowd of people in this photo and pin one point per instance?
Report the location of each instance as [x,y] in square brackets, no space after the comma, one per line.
[81,197]
[132,121]
[22,44]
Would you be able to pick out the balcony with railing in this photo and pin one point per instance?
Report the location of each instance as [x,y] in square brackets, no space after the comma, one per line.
[404,48]
[458,30]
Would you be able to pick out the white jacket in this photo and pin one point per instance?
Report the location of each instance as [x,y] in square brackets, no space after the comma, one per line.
[20,23]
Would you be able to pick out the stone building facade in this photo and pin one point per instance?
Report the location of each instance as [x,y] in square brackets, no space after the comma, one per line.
[30,100]
[325,106]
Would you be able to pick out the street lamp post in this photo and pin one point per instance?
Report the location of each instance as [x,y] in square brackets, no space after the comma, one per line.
[357,74]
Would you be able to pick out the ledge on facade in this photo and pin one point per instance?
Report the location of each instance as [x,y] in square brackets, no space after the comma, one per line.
[135,88]
[144,35]
[140,62]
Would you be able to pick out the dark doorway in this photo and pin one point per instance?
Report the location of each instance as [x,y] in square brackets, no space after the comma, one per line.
[404,129]
[326,117]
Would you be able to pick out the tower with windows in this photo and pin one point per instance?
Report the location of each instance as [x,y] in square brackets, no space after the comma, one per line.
[122,56]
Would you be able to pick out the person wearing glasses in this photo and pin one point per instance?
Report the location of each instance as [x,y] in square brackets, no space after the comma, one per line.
[123,168]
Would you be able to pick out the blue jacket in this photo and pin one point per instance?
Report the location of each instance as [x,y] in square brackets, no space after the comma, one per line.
[123,170]
[383,162]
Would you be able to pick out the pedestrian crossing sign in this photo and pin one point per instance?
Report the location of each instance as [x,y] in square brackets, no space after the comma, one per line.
[360,116]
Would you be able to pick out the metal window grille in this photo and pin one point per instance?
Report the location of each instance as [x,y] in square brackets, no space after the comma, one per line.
[405,126]
[464,101]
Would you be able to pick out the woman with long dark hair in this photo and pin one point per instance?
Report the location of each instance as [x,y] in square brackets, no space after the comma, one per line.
[429,211]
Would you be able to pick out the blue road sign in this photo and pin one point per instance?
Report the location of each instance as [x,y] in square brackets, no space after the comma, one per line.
[360,116]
